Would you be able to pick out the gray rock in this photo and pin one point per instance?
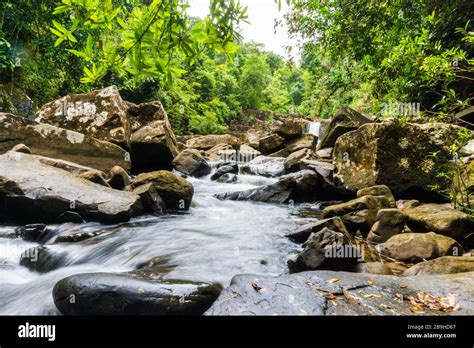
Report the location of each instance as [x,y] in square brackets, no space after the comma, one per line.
[132,294]
[265,166]
[302,186]
[31,192]
[302,234]
[43,259]
[389,223]
[310,293]
[442,265]
[191,162]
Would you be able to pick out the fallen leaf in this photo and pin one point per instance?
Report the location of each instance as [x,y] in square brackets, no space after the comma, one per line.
[257,288]
[333,280]
[330,296]
[372,295]
[370,282]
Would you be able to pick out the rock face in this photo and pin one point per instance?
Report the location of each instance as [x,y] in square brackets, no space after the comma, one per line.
[265,166]
[312,293]
[191,162]
[55,142]
[389,223]
[207,142]
[131,294]
[416,247]
[441,219]
[302,234]
[176,192]
[327,250]
[394,154]
[442,265]
[302,186]
[102,114]
[344,121]
[33,191]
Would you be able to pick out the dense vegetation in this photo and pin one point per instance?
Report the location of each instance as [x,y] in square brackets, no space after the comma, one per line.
[362,53]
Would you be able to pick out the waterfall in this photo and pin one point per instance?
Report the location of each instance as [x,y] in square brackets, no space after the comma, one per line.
[314,128]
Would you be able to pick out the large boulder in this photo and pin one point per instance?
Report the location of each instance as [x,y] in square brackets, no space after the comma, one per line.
[417,247]
[296,161]
[405,157]
[297,187]
[442,219]
[191,162]
[265,166]
[344,293]
[207,142]
[34,191]
[328,250]
[103,114]
[131,294]
[176,192]
[50,141]
[344,121]
[442,265]
[306,141]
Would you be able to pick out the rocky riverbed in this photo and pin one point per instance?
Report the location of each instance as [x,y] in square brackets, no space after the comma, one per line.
[104,210]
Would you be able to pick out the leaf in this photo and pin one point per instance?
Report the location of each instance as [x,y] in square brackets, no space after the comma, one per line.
[333,280]
[330,296]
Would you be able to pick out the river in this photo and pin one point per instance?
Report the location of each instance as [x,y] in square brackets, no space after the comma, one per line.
[212,242]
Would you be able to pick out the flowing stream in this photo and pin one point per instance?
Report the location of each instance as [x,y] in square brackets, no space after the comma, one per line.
[212,242]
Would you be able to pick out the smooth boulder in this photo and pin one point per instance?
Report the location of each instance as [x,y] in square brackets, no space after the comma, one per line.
[417,247]
[265,166]
[442,265]
[131,294]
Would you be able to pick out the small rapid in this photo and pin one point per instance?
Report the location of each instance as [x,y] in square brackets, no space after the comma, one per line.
[212,242]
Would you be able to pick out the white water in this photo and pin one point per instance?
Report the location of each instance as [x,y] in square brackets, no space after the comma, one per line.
[314,128]
[212,242]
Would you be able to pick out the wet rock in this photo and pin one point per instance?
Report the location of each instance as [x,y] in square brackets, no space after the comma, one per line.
[358,214]
[302,234]
[175,191]
[95,176]
[131,294]
[293,162]
[327,250]
[207,142]
[270,143]
[265,166]
[118,178]
[290,129]
[43,259]
[227,178]
[31,233]
[417,247]
[59,143]
[442,219]
[397,155]
[298,187]
[225,169]
[191,162]
[70,216]
[150,198]
[21,148]
[249,152]
[378,190]
[389,223]
[309,293]
[32,191]
[344,121]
